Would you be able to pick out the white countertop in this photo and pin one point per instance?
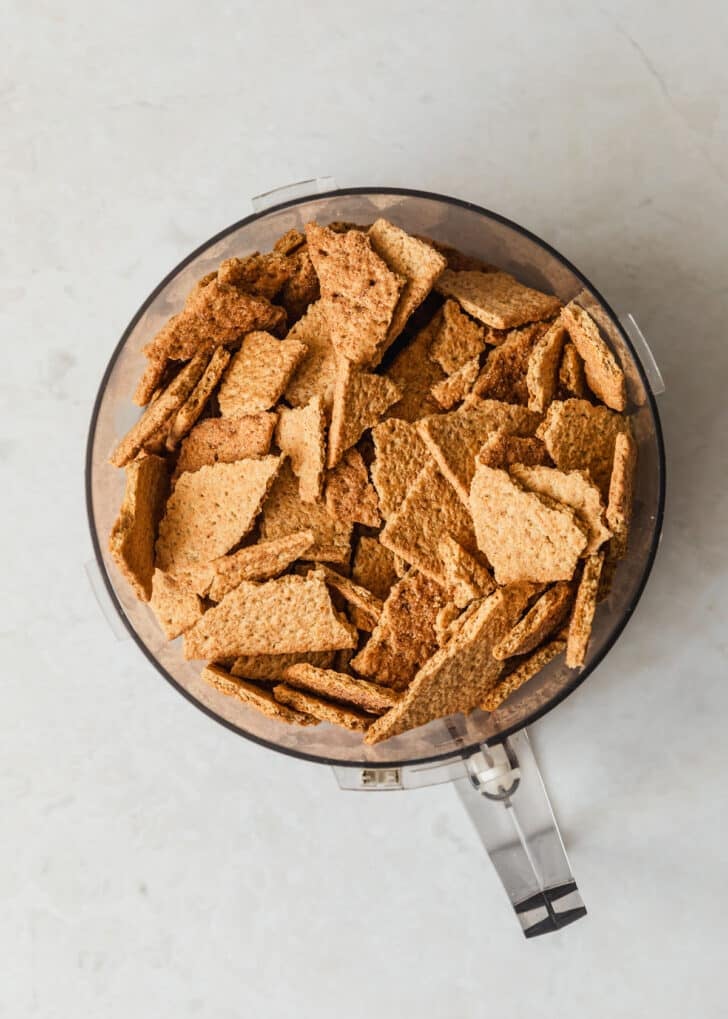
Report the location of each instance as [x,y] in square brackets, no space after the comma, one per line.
[153,864]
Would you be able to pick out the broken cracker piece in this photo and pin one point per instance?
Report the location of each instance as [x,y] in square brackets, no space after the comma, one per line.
[301,434]
[194,405]
[619,507]
[341,687]
[270,668]
[132,537]
[543,366]
[579,435]
[254,697]
[465,578]
[571,372]
[603,375]
[369,607]
[175,605]
[373,567]
[544,616]
[444,620]
[360,399]
[524,671]
[258,374]
[504,374]
[350,496]
[458,339]
[456,387]
[225,440]
[503,450]
[497,298]
[263,275]
[262,561]
[316,373]
[400,455]
[323,710]
[571,488]
[284,514]
[413,371]
[582,616]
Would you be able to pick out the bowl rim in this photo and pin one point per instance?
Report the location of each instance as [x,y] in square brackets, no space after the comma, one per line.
[578,677]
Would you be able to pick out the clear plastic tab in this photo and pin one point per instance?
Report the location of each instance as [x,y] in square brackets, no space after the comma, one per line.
[97,585]
[289,192]
[644,352]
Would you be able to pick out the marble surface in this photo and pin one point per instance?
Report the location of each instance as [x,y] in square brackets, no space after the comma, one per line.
[153,864]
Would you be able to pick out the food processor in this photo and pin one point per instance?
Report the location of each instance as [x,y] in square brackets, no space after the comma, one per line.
[486,756]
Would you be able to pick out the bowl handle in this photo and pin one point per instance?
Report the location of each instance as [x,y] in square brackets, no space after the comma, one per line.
[504,794]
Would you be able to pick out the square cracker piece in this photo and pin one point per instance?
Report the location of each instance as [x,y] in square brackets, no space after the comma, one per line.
[262,561]
[254,697]
[497,299]
[430,513]
[524,537]
[358,292]
[458,339]
[225,440]
[542,373]
[280,616]
[316,374]
[465,578]
[211,510]
[504,374]
[621,484]
[454,438]
[572,488]
[400,455]
[301,434]
[258,374]
[456,387]
[373,567]
[132,537]
[350,496]
[360,400]
[524,671]
[404,638]
[175,605]
[582,616]
[340,687]
[418,263]
[323,710]
[603,375]
[579,435]
[194,405]
[548,612]
[503,450]
[415,373]
[270,668]
[459,675]
[284,514]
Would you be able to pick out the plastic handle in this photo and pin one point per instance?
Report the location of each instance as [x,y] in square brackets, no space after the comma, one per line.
[505,797]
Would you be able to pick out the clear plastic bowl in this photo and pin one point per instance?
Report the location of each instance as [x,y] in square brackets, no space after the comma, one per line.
[474,231]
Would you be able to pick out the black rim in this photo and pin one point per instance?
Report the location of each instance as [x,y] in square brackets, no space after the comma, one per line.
[578,678]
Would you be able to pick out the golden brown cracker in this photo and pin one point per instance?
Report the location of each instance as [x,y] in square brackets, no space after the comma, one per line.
[504,374]
[456,387]
[212,509]
[254,697]
[340,687]
[542,373]
[413,371]
[263,275]
[323,710]
[150,380]
[349,494]
[444,620]
[496,298]
[400,455]
[369,607]
[288,614]
[225,440]
[465,577]
[544,616]
[571,372]
[132,537]
[619,506]
[258,374]
[360,399]
[503,450]
[262,561]
[604,376]
[579,435]
[458,340]
[289,242]
[582,616]
[284,514]
[270,668]
[316,374]
[301,435]
[194,405]
[524,537]
[175,605]
[302,289]
[572,488]
[373,567]
[524,671]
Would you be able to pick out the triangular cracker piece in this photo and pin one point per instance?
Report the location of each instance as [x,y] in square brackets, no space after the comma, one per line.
[254,697]
[582,617]
[571,372]
[350,496]
[323,710]
[194,405]
[453,439]
[458,339]
[417,262]
[524,537]
[603,375]
[360,399]
[262,561]
[175,605]
[572,488]
[369,607]
[270,668]
[465,578]
[301,434]
[316,374]
[544,616]
[619,507]
[430,513]
[504,374]
[497,298]
[258,374]
[358,292]
[211,510]
[340,687]
[415,374]
[225,440]
[459,675]
[543,367]
[456,387]
[284,514]
[579,435]
[280,616]
[373,567]
[502,450]
[524,671]
[132,537]
[400,455]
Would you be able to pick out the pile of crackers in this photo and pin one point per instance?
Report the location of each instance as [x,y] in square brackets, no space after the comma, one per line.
[376,481]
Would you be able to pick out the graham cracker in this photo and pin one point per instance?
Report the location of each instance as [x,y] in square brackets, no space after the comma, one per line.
[619,507]
[280,616]
[194,405]
[524,671]
[289,242]
[456,387]
[284,514]
[503,450]
[458,340]
[582,616]
[175,605]
[524,537]
[262,561]
[504,374]
[270,668]
[337,685]
[579,435]
[132,537]
[465,578]
[258,374]
[254,697]
[404,638]
[225,440]
[301,434]
[443,622]
[302,289]
[263,275]
[418,263]
[454,438]
[603,375]
[350,496]
[430,513]
[415,374]
[212,509]
[544,616]
[542,374]
[358,292]
[373,567]
[159,412]
[496,298]
[360,399]
[400,455]
[571,488]
[150,380]
[324,711]
[369,607]
[316,374]
[459,675]
[571,372]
